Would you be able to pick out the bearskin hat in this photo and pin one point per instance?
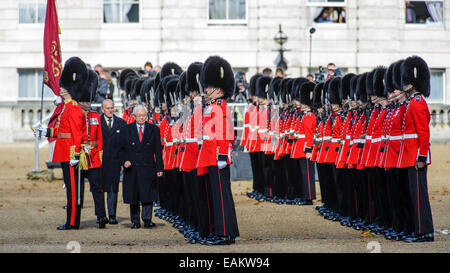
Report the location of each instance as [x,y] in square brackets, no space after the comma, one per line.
[307,93]
[333,91]
[345,86]
[170,68]
[353,87]
[216,72]
[74,76]
[274,87]
[193,77]
[416,74]
[388,77]
[252,84]
[296,84]
[90,87]
[317,98]
[181,87]
[136,91]
[170,90]
[369,83]
[262,86]
[397,75]
[361,91]
[124,75]
[145,89]
[378,81]
[324,96]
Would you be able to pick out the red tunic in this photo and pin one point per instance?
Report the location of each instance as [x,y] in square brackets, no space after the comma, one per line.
[368,140]
[395,137]
[318,141]
[93,126]
[416,134]
[346,135]
[326,140]
[376,139]
[68,130]
[335,143]
[218,134]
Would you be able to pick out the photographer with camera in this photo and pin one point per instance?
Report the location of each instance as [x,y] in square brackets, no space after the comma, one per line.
[241,90]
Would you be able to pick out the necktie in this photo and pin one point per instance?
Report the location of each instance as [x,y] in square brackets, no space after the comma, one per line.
[109,123]
[140,133]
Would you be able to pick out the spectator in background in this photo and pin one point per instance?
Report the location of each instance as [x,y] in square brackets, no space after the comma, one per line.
[267,72]
[333,71]
[279,72]
[324,17]
[310,77]
[410,13]
[110,93]
[157,69]
[148,69]
[103,89]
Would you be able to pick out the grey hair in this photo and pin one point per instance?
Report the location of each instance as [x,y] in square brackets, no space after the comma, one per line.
[107,100]
[139,106]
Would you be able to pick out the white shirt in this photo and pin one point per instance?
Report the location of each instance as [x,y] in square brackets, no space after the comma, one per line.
[107,121]
[143,126]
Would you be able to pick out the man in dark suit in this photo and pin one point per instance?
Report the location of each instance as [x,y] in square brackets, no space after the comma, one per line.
[141,157]
[111,126]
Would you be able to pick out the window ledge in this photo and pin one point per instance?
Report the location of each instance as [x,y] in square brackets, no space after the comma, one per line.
[226,22]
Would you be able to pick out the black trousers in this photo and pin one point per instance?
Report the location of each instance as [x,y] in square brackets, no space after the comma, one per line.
[382,211]
[322,177]
[308,179]
[327,184]
[188,207]
[293,178]
[360,183]
[400,200]
[95,180]
[146,215]
[418,190]
[73,209]
[267,170]
[346,193]
[256,170]
[224,213]
[111,200]
[279,182]
[202,204]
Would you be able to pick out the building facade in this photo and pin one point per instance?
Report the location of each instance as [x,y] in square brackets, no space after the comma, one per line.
[356,35]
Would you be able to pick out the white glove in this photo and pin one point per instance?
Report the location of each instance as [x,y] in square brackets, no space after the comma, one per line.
[221,164]
[87,149]
[74,162]
[41,132]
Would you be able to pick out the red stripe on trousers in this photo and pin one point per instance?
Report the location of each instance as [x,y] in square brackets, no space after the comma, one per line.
[74,196]
[309,183]
[207,201]
[418,200]
[221,200]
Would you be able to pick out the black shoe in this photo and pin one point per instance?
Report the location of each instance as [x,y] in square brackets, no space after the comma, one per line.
[113,220]
[149,224]
[417,238]
[102,222]
[136,226]
[66,227]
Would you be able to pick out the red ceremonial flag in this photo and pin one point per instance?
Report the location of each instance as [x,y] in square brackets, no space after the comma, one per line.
[52,55]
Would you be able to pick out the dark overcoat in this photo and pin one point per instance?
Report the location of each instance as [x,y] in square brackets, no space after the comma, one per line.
[111,148]
[139,182]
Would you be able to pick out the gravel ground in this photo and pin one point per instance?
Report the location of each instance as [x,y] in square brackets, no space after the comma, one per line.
[30,211]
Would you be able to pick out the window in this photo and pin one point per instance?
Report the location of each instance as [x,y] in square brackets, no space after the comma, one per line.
[32,11]
[327,11]
[424,12]
[223,10]
[30,84]
[120,11]
[437,86]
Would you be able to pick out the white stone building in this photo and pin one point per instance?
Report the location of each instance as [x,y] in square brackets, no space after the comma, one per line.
[356,35]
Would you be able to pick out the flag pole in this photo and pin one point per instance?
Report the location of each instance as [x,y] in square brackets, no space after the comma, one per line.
[38,136]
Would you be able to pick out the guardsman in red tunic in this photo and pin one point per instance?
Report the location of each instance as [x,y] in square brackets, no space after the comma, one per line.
[68,133]
[346,175]
[305,144]
[217,148]
[399,189]
[250,138]
[262,89]
[334,146]
[92,150]
[415,149]
[381,208]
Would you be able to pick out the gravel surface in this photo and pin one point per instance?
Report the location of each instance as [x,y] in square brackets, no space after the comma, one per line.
[30,211]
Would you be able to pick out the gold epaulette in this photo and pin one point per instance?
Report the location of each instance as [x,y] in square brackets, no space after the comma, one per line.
[100,155]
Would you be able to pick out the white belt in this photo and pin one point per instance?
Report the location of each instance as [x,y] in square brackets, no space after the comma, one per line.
[299,136]
[375,140]
[190,140]
[351,142]
[206,137]
[384,137]
[175,140]
[408,136]
[348,137]
[400,137]
[200,142]
[319,139]
[368,137]
[246,125]
[168,144]
[271,133]
[326,138]
[263,131]
[334,140]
